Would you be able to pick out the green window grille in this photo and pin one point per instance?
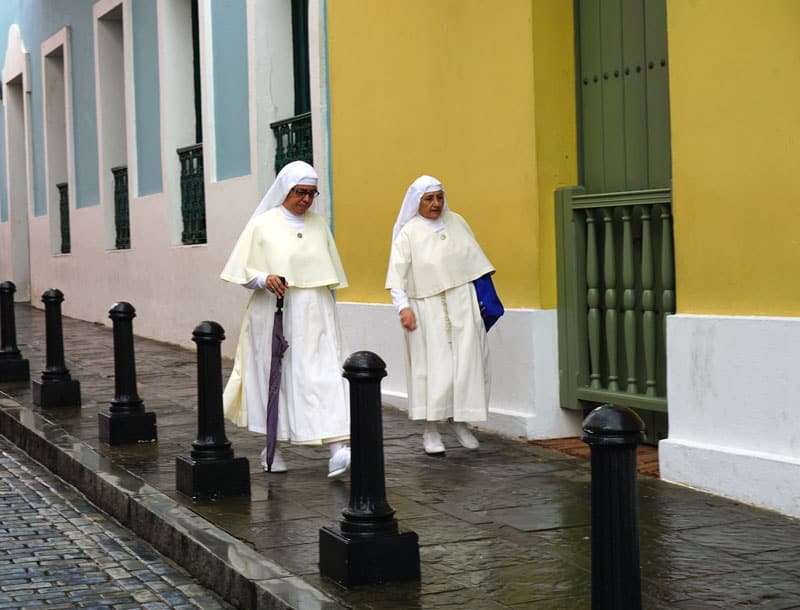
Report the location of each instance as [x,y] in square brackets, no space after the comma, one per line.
[193,199]
[63,206]
[294,142]
[122,220]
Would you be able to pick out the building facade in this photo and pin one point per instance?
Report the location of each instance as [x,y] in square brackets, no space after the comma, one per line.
[627,167]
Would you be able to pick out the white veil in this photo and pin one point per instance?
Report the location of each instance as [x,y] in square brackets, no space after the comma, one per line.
[292,174]
[410,207]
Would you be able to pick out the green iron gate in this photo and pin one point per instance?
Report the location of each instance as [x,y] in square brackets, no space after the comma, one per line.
[614,232]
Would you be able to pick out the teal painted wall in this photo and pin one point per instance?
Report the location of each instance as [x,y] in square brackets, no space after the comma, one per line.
[146,87]
[38,20]
[231,111]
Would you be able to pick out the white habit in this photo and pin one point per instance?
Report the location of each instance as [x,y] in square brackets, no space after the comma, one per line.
[313,405]
[447,355]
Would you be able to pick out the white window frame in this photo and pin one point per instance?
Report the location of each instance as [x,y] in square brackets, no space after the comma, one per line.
[59,154]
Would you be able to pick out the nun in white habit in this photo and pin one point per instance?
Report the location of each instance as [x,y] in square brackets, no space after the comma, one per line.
[434,259]
[284,237]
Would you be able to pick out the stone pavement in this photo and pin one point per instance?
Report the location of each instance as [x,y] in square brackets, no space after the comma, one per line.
[506,526]
[58,550]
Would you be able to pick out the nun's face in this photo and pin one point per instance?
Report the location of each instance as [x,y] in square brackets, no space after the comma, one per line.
[299,199]
[431,205]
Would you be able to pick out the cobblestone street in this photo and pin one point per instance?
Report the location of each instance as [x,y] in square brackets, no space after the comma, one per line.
[58,550]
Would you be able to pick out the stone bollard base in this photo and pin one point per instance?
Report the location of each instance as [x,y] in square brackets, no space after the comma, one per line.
[14,370]
[124,429]
[368,559]
[214,479]
[65,393]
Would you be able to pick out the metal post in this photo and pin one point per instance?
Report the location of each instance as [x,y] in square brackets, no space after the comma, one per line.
[613,434]
[13,367]
[369,548]
[368,511]
[57,388]
[211,471]
[126,422]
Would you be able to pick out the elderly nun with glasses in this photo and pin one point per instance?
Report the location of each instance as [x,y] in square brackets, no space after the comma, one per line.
[285,238]
[434,259]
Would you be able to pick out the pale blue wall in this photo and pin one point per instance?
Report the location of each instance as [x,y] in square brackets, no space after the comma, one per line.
[146,87]
[231,111]
[38,20]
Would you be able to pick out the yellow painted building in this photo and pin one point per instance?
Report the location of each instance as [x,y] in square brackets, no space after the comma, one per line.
[492,99]
[483,100]
[736,140]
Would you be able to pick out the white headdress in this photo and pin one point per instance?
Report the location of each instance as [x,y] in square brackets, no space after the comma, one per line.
[410,207]
[292,174]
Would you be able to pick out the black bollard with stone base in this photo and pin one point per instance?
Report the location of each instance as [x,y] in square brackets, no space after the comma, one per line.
[211,471]
[368,548]
[57,388]
[13,367]
[126,421]
[613,434]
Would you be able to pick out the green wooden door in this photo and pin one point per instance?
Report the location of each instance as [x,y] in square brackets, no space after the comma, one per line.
[614,230]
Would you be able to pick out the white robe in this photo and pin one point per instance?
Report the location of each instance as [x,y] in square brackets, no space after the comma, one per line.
[447,355]
[313,405]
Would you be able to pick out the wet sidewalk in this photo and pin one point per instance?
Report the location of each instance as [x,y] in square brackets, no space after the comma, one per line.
[506,526]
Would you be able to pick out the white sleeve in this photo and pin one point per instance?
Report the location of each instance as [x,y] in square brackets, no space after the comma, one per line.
[399,299]
[259,282]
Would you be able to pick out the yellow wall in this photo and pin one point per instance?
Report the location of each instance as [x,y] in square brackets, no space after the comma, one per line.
[735,111]
[447,88]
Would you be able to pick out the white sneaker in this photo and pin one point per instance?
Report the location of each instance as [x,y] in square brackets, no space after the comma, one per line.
[432,441]
[278,465]
[465,436]
[339,464]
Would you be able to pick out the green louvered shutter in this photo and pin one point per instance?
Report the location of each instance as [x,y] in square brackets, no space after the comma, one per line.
[624,102]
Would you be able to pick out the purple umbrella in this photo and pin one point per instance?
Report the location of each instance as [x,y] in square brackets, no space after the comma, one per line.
[279,346]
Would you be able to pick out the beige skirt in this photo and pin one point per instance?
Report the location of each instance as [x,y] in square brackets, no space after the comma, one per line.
[313,405]
[447,358]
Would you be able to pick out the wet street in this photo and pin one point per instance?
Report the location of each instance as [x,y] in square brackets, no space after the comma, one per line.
[59,551]
[505,526]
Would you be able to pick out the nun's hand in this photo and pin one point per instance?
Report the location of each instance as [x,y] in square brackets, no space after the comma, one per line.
[407,319]
[275,285]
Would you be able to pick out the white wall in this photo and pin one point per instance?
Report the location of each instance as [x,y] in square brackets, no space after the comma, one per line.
[173,287]
[524,361]
[733,392]
[14,246]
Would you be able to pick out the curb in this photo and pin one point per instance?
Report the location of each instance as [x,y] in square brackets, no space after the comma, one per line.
[218,560]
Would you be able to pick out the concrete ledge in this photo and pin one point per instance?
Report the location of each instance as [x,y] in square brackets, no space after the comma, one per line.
[771,479]
[218,560]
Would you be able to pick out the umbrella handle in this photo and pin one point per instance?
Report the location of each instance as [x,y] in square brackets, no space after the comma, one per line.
[279,304]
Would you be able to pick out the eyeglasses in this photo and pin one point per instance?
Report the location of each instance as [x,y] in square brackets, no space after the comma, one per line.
[302,193]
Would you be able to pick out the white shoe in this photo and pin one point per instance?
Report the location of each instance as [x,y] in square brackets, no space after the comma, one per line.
[278,465]
[465,436]
[339,464]
[432,441]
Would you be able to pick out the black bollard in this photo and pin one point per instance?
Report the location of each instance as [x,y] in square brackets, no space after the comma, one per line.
[57,388]
[211,471]
[13,367]
[613,434]
[126,422]
[370,548]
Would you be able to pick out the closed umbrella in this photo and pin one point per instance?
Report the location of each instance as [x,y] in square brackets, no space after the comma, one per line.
[279,346]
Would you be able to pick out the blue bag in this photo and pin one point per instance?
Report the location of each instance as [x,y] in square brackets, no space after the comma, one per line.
[488,301]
